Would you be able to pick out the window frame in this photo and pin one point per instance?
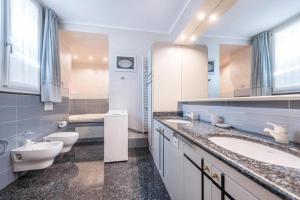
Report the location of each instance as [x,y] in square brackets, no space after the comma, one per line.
[276,29]
[5,55]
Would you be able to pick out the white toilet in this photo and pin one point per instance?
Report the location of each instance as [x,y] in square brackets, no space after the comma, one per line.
[68,139]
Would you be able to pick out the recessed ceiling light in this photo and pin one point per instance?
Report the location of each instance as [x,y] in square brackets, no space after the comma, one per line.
[201,16]
[193,38]
[105,59]
[91,58]
[182,37]
[213,17]
[75,57]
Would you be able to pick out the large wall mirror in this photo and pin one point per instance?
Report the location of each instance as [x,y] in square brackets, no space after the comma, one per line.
[268,63]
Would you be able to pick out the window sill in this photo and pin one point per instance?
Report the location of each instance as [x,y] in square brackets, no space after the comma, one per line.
[15,91]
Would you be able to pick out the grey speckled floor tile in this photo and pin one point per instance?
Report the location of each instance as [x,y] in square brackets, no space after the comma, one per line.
[82,175]
[136,179]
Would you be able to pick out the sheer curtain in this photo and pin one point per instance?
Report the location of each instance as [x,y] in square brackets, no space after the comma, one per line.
[23,45]
[50,64]
[287,58]
[261,70]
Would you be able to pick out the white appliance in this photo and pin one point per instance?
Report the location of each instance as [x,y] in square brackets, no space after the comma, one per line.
[116,136]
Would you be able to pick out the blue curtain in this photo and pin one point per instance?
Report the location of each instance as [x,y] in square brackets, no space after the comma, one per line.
[50,61]
[261,72]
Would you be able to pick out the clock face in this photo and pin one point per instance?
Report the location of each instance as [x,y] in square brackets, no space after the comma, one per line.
[126,64]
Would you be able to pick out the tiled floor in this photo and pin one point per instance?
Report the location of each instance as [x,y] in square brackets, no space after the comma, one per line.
[81,174]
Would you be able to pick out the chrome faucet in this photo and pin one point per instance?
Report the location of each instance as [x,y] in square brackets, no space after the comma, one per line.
[279,133]
[192,116]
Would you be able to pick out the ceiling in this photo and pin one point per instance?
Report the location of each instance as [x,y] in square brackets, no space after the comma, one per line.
[146,15]
[85,45]
[249,17]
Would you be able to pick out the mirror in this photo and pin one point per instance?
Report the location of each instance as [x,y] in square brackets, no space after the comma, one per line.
[235,70]
[255,53]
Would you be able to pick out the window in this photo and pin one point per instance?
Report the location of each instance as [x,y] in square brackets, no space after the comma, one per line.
[21,69]
[286,58]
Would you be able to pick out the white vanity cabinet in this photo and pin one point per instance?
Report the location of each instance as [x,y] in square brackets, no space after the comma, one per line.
[191,173]
[158,146]
[168,158]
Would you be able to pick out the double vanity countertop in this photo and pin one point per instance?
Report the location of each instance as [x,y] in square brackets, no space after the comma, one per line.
[280,180]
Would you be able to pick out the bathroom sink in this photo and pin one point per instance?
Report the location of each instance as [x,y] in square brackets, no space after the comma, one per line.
[32,156]
[257,151]
[178,121]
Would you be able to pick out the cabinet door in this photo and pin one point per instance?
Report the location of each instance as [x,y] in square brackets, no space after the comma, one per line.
[156,145]
[216,193]
[168,167]
[237,191]
[194,72]
[191,180]
[173,166]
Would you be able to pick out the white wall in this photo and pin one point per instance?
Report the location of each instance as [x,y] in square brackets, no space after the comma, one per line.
[89,82]
[127,93]
[236,74]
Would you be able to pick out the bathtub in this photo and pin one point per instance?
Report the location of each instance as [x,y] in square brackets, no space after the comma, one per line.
[86,118]
[89,126]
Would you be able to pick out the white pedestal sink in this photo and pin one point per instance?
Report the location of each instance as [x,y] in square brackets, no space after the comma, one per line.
[34,156]
[257,151]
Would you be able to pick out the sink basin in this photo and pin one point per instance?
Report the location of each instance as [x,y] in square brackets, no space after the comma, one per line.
[178,121]
[257,151]
[34,156]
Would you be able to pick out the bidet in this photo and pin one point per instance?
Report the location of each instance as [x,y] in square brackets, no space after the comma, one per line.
[35,155]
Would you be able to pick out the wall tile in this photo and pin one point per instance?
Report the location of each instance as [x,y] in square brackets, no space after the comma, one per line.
[8,99]
[7,114]
[88,106]
[8,130]
[6,177]
[20,113]
[251,119]
[28,125]
[5,162]
[27,112]
[27,100]
[295,104]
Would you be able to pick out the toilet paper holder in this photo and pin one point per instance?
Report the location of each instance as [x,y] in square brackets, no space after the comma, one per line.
[62,124]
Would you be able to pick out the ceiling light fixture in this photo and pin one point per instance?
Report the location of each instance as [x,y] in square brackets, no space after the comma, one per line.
[75,57]
[91,58]
[213,17]
[193,38]
[201,16]
[182,37]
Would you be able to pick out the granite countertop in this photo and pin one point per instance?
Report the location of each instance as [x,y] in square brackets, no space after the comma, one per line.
[282,181]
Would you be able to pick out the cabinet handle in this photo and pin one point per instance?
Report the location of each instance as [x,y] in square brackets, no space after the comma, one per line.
[206,169]
[215,176]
